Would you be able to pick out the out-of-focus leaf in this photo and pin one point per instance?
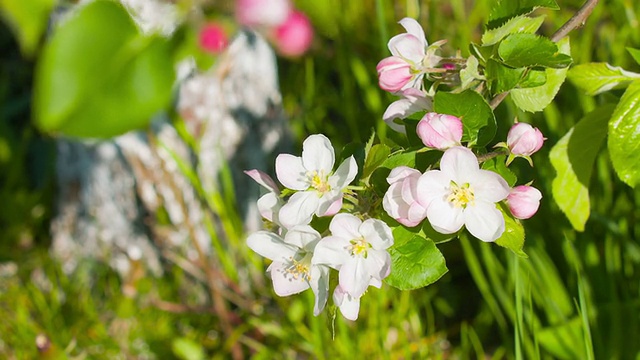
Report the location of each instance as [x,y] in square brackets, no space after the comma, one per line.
[561,340]
[519,24]
[478,120]
[572,158]
[28,19]
[187,349]
[415,261]
[513,236]
[537,98]
[528,50]
[376,156]
[99,77]
[596,78]
[503,10]
[635,53]
[624,136]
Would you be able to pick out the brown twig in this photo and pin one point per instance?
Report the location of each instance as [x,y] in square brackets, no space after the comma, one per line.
[574,22]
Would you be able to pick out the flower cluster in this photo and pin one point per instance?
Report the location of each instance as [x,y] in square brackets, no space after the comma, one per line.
[301,256]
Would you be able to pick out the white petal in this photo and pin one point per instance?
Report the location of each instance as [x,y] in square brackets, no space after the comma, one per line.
[444,218]
[263,179]
[318,154]
[284,284]
[490,186]
[375,282]
[349,306]
[484,221]
[393,203]
[400,173]
[459,164]
[432,186]
[378,263]
[271,246]
[299,209]
[331,251]
[399,109]
[407,47]
[413,28]
[354,277]
[345,226]
[302,236]
[377,233]
[269,205]
[291,173]
[332,209]
[320,286]
[345,174]
[416,213]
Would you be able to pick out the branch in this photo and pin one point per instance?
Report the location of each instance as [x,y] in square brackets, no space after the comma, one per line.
[578,19]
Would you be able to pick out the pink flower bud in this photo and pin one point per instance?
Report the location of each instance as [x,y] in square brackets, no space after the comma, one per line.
[267,13]
[524,201]
[394,74]
[213,38]
[440,131]
[294,36]
[400,200]
[524,140]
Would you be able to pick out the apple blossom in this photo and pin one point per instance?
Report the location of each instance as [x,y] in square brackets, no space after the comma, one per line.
[292,270]
[522,141]
[350,306]
[319,189]
[413,101]
[213,38]
[358,250]
[462,194]
[524,201]
[411,59]
[267,13]
[400,199]
[440,131]
[293,37]
[270,203]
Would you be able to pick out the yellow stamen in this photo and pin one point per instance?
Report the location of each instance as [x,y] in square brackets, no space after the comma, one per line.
[461,196]
[359,247]
[299,269]
[319,181]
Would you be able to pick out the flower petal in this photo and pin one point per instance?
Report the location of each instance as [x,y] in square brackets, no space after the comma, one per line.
[302,236]
[269,205]
[400,173]
[299,209]
[408,47]
[377,233]
[484,221]
[432,186]
[444,218]
[378,264]
[345,174]
[263,179]
[271,246]
[331,251]
[490,186]
[320,286]
[291,173]
[349,306]
[345,226]
[332,208]
[284,284]
[459,164]
[413,28]
[354,277]
[318,154]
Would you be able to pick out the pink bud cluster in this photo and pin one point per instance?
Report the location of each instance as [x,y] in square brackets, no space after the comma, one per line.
[288,28]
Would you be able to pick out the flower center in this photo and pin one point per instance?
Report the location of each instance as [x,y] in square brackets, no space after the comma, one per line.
[460,196]
[359,247]
[299,268]
[319,181]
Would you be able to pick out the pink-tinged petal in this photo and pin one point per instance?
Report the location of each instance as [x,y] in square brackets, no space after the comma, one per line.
[400,173]
[263,179]
[394,204]
[302,236]
[407,47]
[349,306]
[295,35]
[416,214]
[345,226]
[409,188]
[354,277]
[333,208]
[331,251]
[524,201]
[440,131]
[378,264]
[299,209]
[484,221]
[268,13]
[345,174]
[490,186]
[524,140]
[432,186]
[413,28]
[399,109]
[377,233]
[284,283]
[320,286]
[291,173]
[271,246]
[268,206]
[318,154]
[459,164]
[445,218]
[394,74]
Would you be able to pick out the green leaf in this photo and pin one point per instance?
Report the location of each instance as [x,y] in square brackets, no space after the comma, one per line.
[470,73]
[99,77]
[482,53]
[415,261]
[596,78]
[513,236]
[186,349]
[503,10]
[498,165]
[533,78]
[635,53]
[624,136]
[560,340]
[378,177]
[376,156]
[572,158]
[478,120]
[518,24]
[529,50]
[28,19]
[502,78]
[537,98]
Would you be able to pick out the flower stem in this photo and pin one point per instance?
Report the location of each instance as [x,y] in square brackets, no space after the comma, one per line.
[488,156]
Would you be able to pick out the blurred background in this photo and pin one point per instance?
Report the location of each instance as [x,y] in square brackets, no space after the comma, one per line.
[576,296]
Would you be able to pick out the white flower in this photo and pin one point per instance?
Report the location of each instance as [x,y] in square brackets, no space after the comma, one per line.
[461,193]
[292,270]
[358,250]
[400,199]
[319,188]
